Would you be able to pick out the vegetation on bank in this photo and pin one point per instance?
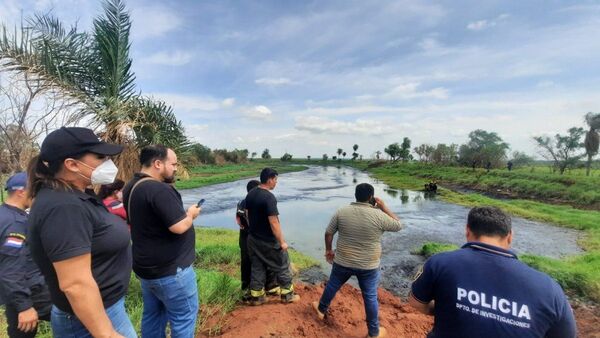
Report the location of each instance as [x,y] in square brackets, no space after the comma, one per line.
[204,175]
[218,274]
[580,274]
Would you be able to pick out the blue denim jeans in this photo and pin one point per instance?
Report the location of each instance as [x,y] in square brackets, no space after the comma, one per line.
[66,325]
[368,280]
[172,299]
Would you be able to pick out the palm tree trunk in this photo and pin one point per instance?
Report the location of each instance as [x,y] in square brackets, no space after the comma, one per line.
[589,165]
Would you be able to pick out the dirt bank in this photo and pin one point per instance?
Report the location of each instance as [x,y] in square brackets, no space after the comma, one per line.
[347,318]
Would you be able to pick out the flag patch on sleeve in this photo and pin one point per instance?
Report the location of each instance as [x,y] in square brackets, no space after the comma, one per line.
[14,242]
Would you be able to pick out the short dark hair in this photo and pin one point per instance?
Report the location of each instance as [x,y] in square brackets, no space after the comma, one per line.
[266,174]
[364,192]
[149,154]
[489,221]
[109,189]
[251,185]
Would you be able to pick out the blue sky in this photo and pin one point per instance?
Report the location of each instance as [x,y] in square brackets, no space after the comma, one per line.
[308,77]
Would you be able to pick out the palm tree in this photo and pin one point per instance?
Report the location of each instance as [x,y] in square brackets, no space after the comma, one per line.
[95,70]
[592,139]
[340,151]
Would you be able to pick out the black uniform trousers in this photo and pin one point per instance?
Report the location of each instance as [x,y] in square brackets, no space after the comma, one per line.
[40,296]
[246,265]
[267,256]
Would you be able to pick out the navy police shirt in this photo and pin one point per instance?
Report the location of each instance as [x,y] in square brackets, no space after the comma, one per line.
[485,291]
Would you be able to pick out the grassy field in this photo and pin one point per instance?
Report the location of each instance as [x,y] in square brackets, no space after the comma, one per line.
[580,274]
[213,174]
[217,269]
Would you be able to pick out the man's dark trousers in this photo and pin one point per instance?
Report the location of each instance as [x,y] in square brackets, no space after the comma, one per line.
[267,256]
[40,296]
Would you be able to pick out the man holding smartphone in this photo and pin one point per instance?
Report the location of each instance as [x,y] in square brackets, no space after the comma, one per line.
[360,226]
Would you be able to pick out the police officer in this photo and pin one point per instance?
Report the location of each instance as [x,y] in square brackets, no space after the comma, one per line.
[22,286]
[483,290]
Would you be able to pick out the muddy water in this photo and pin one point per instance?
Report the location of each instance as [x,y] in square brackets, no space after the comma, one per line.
[308,199]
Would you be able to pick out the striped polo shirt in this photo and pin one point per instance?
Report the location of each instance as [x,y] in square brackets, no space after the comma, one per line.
[360,227]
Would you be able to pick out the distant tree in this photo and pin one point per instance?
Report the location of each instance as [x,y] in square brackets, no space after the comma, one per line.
[378,154]
[286,157]
[592,139]
[361,157]
[564,150]
[444,154]
[355,154]
[200,154]
[483,147]
[520,159]
[344,154]
[253,155]
[325,157]
[334,158]
[425,152]
[340,151]
[265,154]
[394,150]
[405,150]
[308,157]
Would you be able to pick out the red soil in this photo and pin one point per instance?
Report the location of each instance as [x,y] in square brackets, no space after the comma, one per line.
[347,317]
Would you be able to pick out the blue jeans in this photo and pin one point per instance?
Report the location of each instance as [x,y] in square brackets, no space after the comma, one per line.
[368,280]
[66,325]
[172,299]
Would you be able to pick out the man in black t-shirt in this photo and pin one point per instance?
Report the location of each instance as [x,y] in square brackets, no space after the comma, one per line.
[163,240]
[266,245]
[245,265]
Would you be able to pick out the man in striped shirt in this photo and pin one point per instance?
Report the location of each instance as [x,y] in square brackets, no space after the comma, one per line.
[360,226]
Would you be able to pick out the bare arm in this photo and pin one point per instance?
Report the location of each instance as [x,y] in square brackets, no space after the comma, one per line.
[420,306]
[383,207]
[186,223]
[276,228]
[329,253]
[75,279]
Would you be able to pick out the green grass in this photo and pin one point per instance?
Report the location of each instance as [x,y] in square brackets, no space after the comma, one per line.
[218,274]
[214,174]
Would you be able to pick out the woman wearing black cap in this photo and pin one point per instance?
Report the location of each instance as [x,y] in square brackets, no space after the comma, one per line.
[82,249]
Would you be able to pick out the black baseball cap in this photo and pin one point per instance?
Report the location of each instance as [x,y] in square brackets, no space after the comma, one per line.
[70,141]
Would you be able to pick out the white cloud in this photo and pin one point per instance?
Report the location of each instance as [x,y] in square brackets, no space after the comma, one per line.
[410,91]
[484,24]
[153,21]
[258,113]
[273,81]
[228,102]
[319,125]
[174,58]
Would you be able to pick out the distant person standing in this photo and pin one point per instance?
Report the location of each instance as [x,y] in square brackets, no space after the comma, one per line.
[483,290]
[163,240]
[22,285]
[266,246]
[360,226]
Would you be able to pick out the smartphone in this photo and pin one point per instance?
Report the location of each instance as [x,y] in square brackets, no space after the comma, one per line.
[200,202]
[372,201]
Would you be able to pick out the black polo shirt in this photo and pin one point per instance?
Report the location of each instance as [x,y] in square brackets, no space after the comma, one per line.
[155,207]
[67,224]
[261,204]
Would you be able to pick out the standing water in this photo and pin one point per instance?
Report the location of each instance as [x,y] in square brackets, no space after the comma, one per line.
[307,200]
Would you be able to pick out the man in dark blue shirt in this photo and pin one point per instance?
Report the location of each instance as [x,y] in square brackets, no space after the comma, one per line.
[483,290]
[22,286]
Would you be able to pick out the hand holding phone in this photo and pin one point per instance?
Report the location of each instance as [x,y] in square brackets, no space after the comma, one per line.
[200,202]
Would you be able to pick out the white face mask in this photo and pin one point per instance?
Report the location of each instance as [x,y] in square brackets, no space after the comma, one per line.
[105,173]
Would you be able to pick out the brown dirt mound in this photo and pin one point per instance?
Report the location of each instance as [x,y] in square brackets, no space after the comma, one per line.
[346,318]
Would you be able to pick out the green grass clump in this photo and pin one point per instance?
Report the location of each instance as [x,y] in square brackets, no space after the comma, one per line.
[431,248]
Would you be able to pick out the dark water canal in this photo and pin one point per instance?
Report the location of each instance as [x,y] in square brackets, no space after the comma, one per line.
[307,200]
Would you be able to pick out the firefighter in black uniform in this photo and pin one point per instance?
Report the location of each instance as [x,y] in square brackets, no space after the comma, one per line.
[22,286]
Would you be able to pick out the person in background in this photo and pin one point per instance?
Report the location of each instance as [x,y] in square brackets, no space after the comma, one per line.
[83,251]
[246,266]
[360,226]
[267,248]
[112,197]
[483,290]
[22,286]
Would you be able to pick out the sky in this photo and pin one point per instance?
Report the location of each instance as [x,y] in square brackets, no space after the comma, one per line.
[308,77]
